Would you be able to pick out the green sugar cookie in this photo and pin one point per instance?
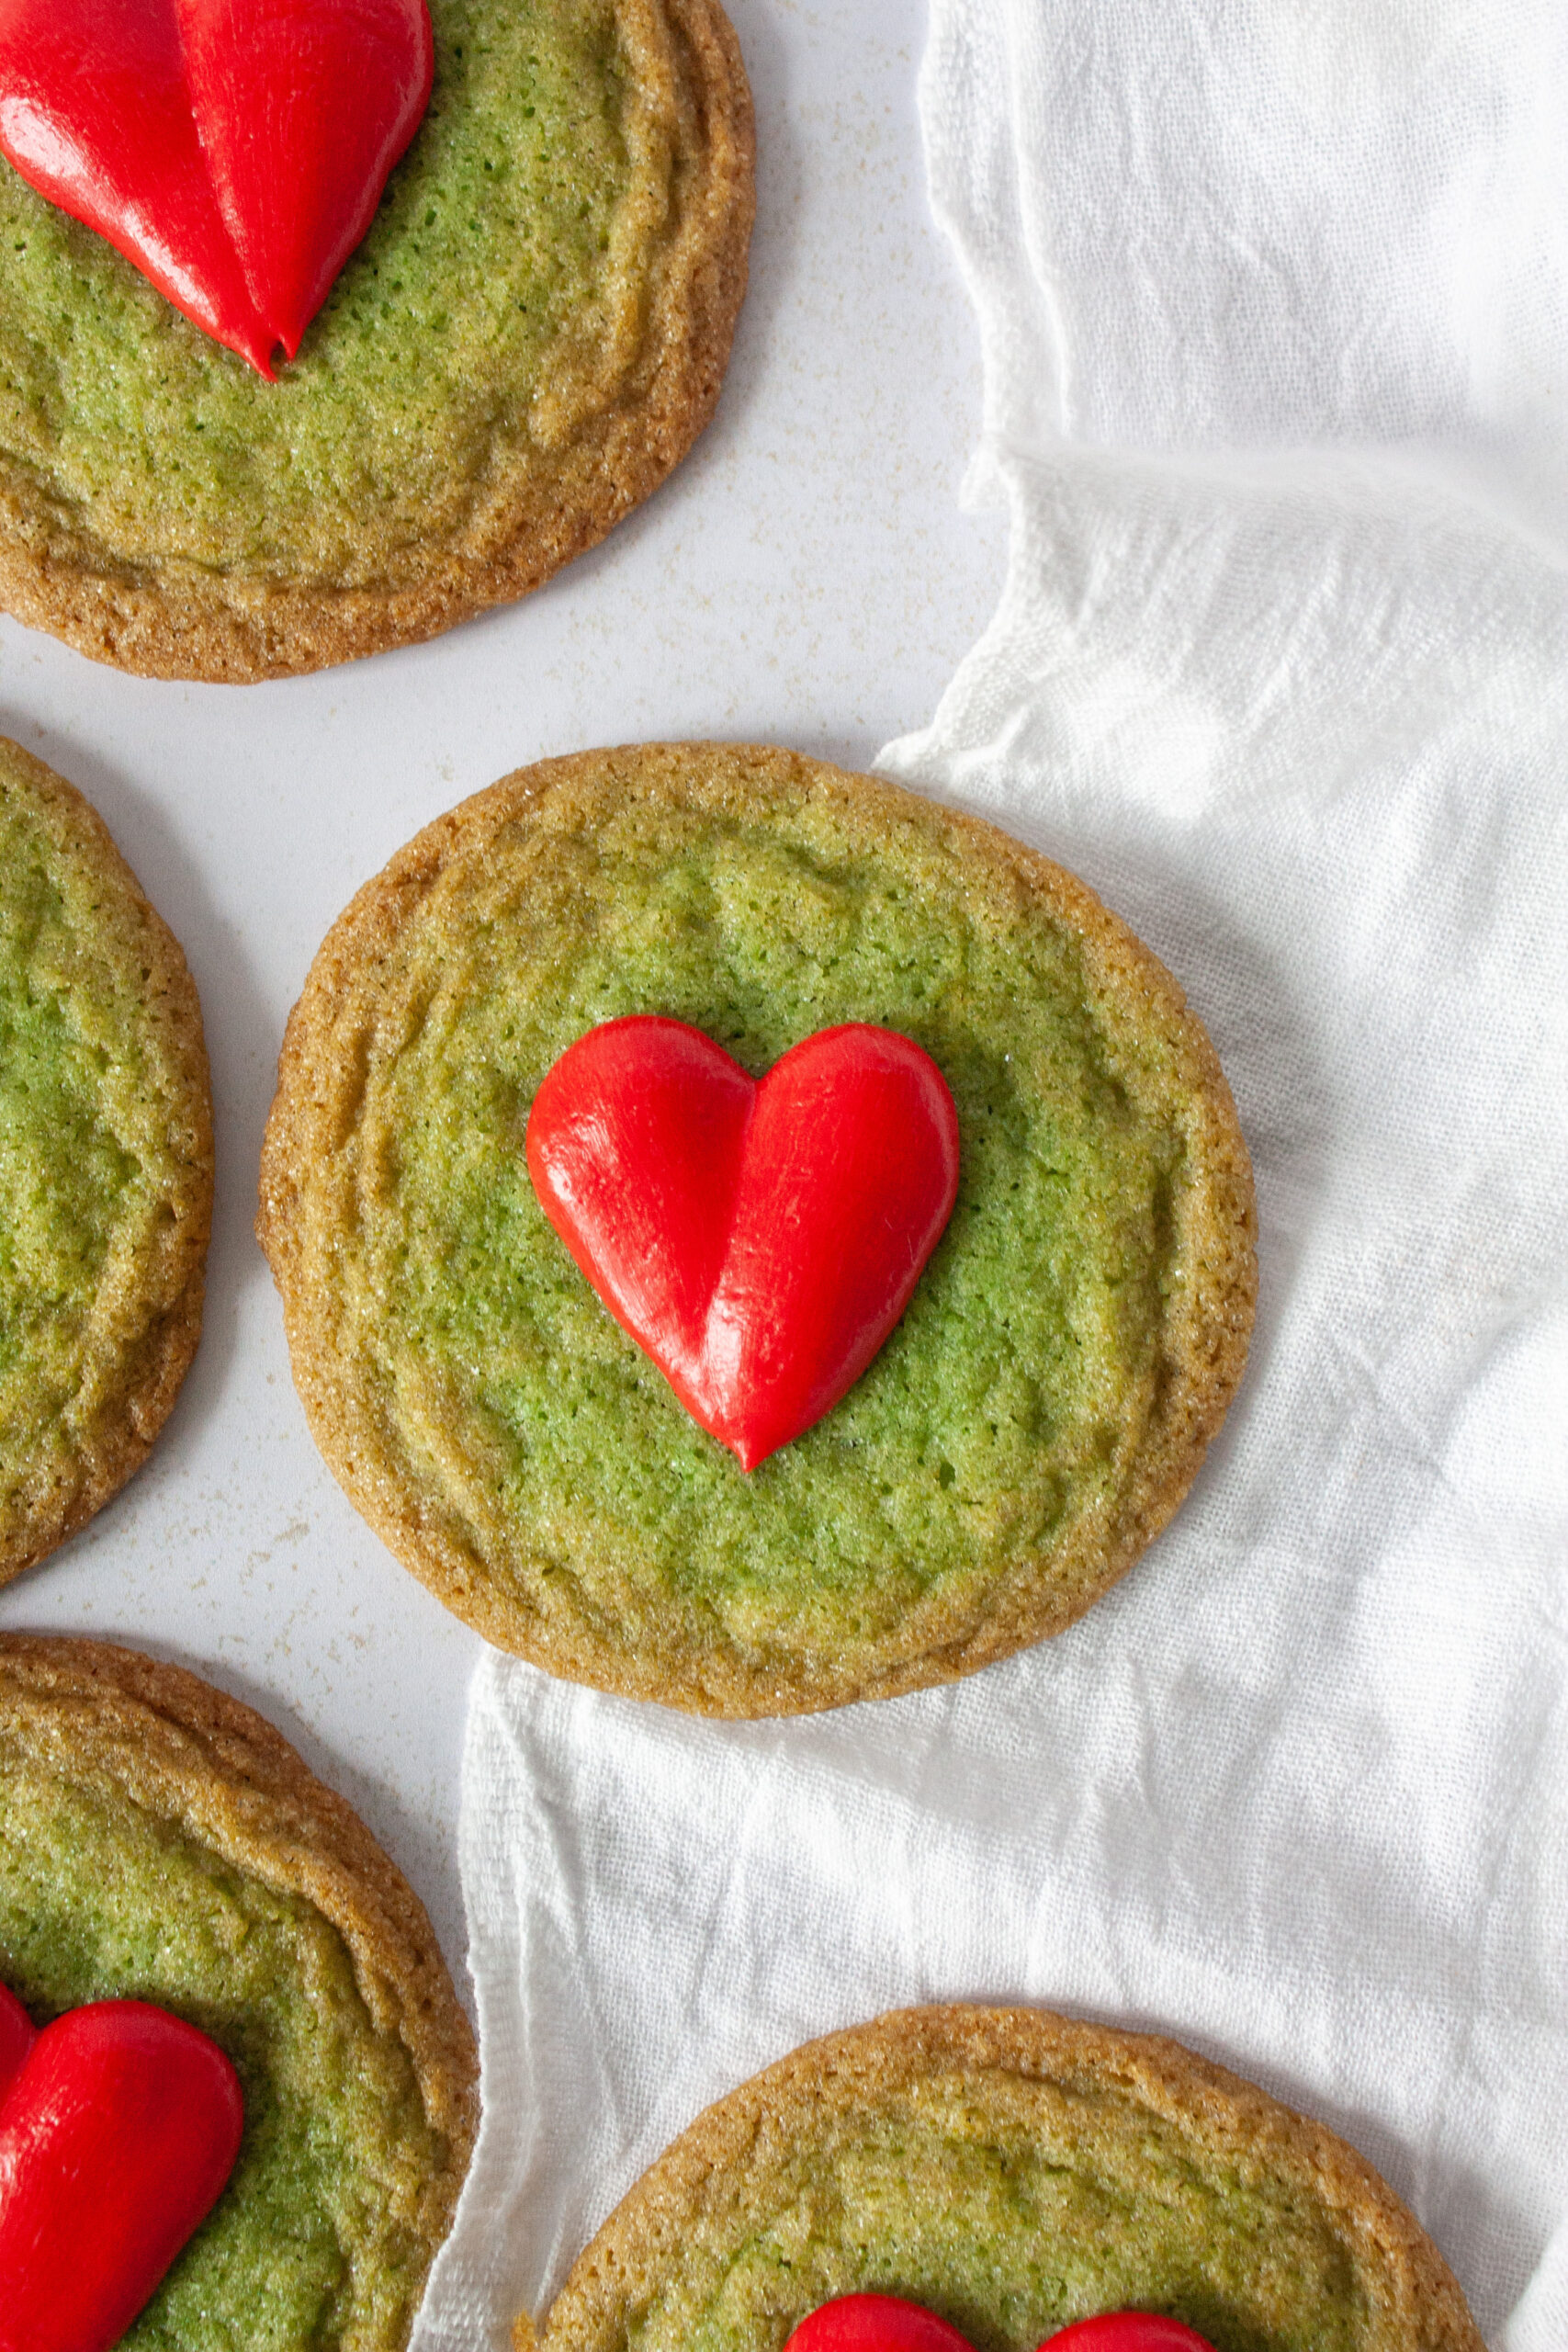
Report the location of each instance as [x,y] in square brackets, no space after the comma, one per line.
[106,1165]
[530,336]
[1033,1420]
[1012,2171]
[160,1842]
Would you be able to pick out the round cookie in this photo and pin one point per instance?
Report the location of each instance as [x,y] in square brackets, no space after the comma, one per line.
[1013,2171]
[1033,1420]
[530,336]
[160,1842]
[106,1165]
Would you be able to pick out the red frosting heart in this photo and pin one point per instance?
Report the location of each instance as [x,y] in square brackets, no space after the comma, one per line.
[876,2324]
[118,2131]
[886,2323]
[760,1240]
[17,2036]
[234,150]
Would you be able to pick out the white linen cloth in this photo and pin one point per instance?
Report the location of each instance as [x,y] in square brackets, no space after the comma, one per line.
[1276,342]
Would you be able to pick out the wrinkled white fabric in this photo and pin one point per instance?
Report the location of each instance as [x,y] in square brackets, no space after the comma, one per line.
[1272,297]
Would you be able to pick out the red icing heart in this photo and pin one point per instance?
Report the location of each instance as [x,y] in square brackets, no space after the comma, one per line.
[876,2324]
[886,2323]
[234,150]
[118,2131]
[759,1239]
[17,2036]
[1127,2332]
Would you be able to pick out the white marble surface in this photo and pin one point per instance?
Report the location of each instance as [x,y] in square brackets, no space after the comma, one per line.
[804,578]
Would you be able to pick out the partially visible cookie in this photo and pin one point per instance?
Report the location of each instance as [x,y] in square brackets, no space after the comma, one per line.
[1033,1420]
[106,1164]
[1013,2171]
[160,1842]
[532,333]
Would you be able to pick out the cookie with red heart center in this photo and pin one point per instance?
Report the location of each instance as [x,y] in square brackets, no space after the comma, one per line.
[502,327]
[1004,2180]
[198,1925]
[749,1238]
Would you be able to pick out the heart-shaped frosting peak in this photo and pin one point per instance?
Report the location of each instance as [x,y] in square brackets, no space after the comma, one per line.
[759,1239]
[887,2324]
[16,2037]
[234,150]
[117,2129]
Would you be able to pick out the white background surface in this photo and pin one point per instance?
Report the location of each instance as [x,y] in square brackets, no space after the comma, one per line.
[1309,588]
[804,577]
